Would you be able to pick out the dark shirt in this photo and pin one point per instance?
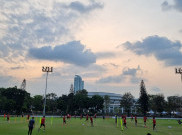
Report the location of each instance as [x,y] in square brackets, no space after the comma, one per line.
[31,123]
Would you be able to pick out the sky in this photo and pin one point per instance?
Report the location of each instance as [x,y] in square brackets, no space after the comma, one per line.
[112,45]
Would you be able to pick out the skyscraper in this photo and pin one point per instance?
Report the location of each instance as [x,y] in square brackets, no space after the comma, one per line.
[78,83]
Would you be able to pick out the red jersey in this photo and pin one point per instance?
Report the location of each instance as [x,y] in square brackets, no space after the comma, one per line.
[4,115]
[43,121]
[145,118]
[87,117]
[95,116]
[91,119]
[124,120]
[154,121]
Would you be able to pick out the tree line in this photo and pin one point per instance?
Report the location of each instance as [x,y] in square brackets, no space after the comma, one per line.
[17,101]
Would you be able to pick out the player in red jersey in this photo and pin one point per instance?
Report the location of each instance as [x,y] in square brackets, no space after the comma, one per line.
[145,120]
[91,121]
[154,123]
[8,117]
[124,121]
[42,123]
[87,117]
[135,120]
[131,117]
[28,117]
[95,116]
[64,120]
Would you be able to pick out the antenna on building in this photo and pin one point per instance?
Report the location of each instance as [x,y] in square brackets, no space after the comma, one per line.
[23,85]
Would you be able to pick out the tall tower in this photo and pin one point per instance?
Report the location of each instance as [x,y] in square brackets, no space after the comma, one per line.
[23,85]
[78,83]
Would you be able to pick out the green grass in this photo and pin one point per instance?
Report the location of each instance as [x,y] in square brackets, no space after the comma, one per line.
[19,126]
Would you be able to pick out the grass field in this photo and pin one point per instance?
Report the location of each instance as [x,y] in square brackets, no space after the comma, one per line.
[19,126]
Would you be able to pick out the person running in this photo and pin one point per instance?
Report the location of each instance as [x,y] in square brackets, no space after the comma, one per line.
[135,120]
[64,120]
[145,120]
[87,117]
[124,121]
[131,117]
[31,126]
[154,123]
[28,117]
[91,121]
[42,123]
[8,117]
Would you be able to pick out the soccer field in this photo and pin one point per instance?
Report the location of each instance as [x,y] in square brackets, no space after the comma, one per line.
[19,126]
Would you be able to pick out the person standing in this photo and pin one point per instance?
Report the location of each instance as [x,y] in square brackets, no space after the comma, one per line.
[31,126]
[154,123]
[145,120]
[91,121]
[124,121]
[8,117]
[64,120]
[135,120]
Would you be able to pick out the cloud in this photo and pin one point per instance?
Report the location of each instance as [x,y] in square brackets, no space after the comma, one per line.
[162,48]
[156,89]
[104,55]
[80,7]
[16,68]
[177,5]
[111,79]
[27,23]
[130,74]
[72,52]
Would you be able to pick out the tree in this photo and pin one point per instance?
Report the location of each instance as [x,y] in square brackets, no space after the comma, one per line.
[157,103]
[37,103]
[15,97]
[127,102]
[51,103]
[173,103]
[143,99]
[97,103]
[106,103]
[61,103]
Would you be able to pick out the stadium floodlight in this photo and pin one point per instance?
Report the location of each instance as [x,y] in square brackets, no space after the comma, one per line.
[46,69]
[179,71]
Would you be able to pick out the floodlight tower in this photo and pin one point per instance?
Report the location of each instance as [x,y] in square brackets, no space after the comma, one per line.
[46,69]
[179,71]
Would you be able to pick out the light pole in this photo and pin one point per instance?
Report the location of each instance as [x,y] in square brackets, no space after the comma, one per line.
[46,69]
[179,71]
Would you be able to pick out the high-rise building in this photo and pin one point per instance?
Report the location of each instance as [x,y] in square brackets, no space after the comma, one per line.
[78,83]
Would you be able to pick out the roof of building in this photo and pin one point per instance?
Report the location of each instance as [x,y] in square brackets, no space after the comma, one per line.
[104,93]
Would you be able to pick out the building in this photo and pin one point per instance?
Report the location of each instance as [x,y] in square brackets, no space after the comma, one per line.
[114,104]
[78,83]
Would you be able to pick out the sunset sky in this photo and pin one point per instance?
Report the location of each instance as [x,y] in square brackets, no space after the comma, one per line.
[112,45]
